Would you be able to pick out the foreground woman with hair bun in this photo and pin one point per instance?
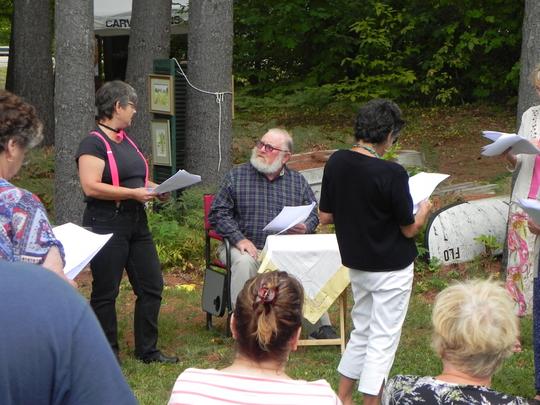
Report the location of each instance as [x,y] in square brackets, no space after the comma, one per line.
[266,325]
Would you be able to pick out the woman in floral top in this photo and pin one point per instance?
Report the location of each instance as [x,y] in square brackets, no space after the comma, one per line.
[475,329]
[25,231]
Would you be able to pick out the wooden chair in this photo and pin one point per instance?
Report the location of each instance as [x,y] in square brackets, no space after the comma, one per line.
[216,296]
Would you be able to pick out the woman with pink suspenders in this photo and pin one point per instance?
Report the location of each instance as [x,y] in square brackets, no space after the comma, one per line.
[114,178]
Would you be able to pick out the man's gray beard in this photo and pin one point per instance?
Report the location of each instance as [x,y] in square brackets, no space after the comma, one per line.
[265,168]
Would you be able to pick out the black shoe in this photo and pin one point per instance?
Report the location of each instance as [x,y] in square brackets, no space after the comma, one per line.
[324,332]
[159,358]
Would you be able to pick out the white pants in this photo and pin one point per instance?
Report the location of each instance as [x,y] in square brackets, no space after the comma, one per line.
[380,305]
[243,267]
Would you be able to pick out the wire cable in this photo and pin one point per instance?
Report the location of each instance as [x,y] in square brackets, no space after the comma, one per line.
[219,96]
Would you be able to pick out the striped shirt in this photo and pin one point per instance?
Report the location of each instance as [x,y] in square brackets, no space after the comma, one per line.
[210,387]
[247,201]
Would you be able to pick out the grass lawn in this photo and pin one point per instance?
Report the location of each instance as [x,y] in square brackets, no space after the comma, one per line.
[182,332]
[450,141]
[3,72]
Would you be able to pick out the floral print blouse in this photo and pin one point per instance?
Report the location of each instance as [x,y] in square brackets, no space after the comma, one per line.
[25,232]
[408,390]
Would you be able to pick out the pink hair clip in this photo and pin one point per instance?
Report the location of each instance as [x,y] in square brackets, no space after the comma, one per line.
[266,295]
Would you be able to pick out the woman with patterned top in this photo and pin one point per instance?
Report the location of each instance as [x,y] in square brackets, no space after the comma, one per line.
[475,329]
[266,325]
[25,231]
[522,242]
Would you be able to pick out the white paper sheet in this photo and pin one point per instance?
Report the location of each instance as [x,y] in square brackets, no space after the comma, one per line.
[531,207]
[503,141]
[422,185]
[181,179]
[80,246]
[289,217]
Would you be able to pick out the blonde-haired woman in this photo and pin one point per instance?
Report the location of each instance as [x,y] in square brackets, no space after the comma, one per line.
[266,326]
[474,330]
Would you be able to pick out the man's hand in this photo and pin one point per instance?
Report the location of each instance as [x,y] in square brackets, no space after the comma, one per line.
[533,227]
[298,229]
[246,246]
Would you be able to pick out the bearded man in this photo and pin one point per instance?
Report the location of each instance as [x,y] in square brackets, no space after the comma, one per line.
[251,195]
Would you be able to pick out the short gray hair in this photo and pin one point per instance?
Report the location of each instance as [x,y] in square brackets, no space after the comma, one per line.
[289,144]
[18,122]
[109,94]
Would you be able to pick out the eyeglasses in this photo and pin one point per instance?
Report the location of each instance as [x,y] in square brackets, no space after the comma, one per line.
[267,147]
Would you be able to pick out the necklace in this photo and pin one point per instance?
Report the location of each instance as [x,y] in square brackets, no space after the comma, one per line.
[368,148]
[108,127]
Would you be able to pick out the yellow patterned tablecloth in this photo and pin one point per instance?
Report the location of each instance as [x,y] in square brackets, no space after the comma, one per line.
[314,259]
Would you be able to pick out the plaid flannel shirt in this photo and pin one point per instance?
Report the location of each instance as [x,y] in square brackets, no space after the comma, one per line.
[247,201]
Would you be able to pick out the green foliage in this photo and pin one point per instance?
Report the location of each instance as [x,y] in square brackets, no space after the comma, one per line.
[177,227]
[439,53]
[6,9]
[490,243]
[378,67]
[3,73]
[282,42]
[426,52]
[37,176]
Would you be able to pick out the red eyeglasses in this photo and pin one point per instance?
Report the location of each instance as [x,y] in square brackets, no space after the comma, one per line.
[267,147]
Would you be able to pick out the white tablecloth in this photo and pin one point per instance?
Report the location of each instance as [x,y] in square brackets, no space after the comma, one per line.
[314,259]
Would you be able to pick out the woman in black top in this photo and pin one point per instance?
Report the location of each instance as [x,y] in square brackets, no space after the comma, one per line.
[114,178]
[368,200]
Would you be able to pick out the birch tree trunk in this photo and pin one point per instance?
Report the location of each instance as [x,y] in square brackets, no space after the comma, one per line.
[74,100]
[31,71]
[149,39]
[210,45]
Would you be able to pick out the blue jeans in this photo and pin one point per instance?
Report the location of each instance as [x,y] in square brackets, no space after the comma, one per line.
[132,248]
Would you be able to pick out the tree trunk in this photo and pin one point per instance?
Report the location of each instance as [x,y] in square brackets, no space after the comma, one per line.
[9,73]
[31,71]
[210,42]
[530,56]
[149,39]
[74,100]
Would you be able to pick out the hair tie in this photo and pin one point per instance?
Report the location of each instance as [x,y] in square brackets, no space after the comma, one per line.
[266,295]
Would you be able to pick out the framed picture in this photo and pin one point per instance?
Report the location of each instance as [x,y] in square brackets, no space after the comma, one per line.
[161,94]
[161,142]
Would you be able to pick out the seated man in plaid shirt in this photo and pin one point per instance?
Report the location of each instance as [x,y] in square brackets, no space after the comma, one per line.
[251,195]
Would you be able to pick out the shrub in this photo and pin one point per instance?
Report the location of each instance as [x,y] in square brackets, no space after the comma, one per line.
[177,227]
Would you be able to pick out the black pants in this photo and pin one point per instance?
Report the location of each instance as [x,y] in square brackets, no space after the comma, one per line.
[131,247]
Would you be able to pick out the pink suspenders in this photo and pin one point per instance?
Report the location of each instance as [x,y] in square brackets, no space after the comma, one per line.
[112,161]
